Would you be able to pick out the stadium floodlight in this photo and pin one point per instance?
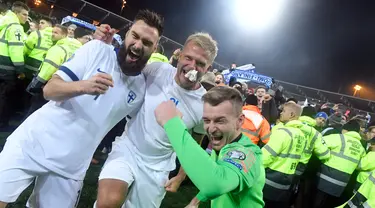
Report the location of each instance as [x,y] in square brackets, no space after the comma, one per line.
[356,89]
[258,14]
[37,2]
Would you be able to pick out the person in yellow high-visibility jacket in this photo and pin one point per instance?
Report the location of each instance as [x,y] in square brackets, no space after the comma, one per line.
[334,175]
[37,45]
[367,164]
[281,156]
[158,56]
[11,58]
[55,57]
[365,196]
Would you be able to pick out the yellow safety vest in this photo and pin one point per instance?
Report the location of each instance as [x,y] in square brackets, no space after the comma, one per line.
[281,156]
[157,57]
[36,47]
[11,46]
[55,57]
[346,152]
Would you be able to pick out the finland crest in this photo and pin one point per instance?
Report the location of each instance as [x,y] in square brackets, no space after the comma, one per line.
[131,96]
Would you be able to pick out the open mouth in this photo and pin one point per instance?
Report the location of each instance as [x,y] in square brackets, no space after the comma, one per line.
[216,140]
[133,55]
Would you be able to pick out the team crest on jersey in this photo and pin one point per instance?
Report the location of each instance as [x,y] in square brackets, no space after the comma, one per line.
[131,96]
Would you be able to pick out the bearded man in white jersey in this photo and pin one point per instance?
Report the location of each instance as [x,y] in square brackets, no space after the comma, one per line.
[89,94]
[135,174]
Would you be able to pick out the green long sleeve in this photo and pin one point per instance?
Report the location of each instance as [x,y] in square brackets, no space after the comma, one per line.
[211,178]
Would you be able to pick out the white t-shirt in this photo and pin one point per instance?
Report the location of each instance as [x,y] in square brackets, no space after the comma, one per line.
[63,136]
[148,139]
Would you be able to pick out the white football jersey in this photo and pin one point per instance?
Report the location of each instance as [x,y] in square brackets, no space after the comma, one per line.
[151,144]
[63,136]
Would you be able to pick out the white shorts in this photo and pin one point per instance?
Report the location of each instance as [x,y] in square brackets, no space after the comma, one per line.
[146,185]
[18,171]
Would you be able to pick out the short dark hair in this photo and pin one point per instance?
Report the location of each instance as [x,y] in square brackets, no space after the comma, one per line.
[309,111]
[220,75]
[63,28]
[18,6]
[220,94]
[261,87]
[152,19]
[80,32]
[251,100]
[352,125]
[47,19]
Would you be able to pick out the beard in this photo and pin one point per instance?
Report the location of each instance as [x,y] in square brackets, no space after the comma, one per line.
[133,68]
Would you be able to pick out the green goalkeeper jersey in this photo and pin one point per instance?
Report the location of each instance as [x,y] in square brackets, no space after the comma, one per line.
[231,178]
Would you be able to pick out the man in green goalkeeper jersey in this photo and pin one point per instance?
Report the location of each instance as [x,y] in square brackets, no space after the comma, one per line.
[234,175]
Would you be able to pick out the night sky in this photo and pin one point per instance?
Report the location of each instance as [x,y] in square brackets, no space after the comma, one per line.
[318,43]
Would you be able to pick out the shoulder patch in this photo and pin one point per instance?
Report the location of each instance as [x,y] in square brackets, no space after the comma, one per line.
[242,158]
[235,154]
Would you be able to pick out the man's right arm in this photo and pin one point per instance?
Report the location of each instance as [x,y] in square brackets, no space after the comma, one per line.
[59,90]
[68,80]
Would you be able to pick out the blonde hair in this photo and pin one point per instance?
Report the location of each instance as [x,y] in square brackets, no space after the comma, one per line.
[206,42]
[297,109]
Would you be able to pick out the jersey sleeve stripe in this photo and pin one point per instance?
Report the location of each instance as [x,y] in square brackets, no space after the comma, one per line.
[69,72]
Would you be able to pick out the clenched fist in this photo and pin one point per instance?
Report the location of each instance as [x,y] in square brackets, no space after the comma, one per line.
[165,112]
[104,33]
[96,85]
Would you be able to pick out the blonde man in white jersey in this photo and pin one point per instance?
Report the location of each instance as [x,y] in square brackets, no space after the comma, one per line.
[89,95]
[135,174]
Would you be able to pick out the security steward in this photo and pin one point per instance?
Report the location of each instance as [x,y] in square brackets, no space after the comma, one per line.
[365,196]
[315,147]
[346,152]
[367,164]
[11,58]
[158,56]
[36,47]
[55,57]
[255,126]
[281,156]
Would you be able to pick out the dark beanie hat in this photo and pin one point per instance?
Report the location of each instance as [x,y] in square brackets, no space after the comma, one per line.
[309,111]
[352,125]
[251,100]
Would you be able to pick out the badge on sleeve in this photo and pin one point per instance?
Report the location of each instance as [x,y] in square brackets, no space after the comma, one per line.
[238,158]
[17,34]
[235,154]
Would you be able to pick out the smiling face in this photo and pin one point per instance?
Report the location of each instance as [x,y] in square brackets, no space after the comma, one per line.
[320,121]
[221,123]
[260,92]
[140,42]
[192,57]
